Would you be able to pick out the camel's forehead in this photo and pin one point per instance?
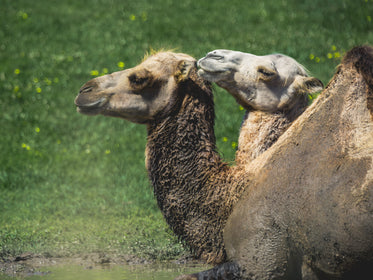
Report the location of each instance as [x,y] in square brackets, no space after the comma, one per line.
[167,58]
[286,64]
[164,61]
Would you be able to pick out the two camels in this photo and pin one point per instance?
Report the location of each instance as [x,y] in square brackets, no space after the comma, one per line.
[306,208]
[273,88]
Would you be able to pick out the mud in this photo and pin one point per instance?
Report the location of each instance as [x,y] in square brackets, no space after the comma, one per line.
[29,264]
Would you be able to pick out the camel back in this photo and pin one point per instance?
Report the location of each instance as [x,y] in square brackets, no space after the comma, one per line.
[316,182]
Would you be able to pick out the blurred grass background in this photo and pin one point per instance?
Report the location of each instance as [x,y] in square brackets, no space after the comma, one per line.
[71,183]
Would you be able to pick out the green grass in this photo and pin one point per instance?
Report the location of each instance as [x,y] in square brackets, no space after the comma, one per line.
[71,183]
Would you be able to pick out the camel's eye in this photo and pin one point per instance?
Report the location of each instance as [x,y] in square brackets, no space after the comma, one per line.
[266,74]
[137,80]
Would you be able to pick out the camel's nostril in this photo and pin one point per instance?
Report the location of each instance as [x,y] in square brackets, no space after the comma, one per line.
[215,56]
[86,89]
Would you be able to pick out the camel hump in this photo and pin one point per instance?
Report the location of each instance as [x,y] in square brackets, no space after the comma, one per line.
[361,58]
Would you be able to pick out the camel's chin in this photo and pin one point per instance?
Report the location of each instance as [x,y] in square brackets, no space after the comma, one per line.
[87,111]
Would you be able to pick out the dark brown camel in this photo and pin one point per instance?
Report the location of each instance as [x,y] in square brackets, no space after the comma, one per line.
[195,190]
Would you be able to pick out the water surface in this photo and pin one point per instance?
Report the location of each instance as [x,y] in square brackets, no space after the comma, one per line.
[112,272]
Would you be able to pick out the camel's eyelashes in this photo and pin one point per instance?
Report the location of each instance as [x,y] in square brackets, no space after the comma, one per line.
[266,74]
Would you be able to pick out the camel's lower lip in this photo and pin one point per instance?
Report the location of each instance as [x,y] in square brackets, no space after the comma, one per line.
[203,71]
[91,108]
[94,104]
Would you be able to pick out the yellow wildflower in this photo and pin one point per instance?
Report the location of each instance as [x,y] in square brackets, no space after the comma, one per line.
[330,56]
[121,64]
[234,145]
[312,56]
[144,16]
[37,129]
[47,81]
[94,73]
[17,71]
[132,17]
[107,152]
[225,139]
[25,146]
[38,90]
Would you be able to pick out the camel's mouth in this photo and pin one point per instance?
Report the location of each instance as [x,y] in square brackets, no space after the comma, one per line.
[211,71]
[207,66]
[91,108]
[212,75]
[88,102]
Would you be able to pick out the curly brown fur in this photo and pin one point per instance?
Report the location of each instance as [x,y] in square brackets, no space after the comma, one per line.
[195,190]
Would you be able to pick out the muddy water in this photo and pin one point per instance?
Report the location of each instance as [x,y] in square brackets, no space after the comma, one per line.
[115,272]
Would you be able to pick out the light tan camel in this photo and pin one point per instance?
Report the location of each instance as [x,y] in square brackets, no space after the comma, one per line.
[273,89]
[305,210]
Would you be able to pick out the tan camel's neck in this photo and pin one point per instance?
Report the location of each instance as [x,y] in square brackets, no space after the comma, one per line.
[260,130]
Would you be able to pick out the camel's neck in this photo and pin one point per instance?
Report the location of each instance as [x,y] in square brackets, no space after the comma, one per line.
[260,130]
[181,154]
[191,183]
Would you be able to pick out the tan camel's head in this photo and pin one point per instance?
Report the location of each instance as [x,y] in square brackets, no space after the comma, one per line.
[268,83]
[137,94]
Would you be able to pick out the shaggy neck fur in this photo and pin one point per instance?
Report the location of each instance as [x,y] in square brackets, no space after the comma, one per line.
[195,190]
[260,130]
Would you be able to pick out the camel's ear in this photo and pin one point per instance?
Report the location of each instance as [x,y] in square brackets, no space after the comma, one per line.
[307,85]
[183,69]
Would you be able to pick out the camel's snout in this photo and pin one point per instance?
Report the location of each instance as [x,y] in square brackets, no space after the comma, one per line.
[89,100]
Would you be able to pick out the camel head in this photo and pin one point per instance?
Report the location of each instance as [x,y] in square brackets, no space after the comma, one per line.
[268,83]
[138,94]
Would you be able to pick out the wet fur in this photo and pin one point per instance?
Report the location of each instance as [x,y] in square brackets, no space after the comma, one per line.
[195,190]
